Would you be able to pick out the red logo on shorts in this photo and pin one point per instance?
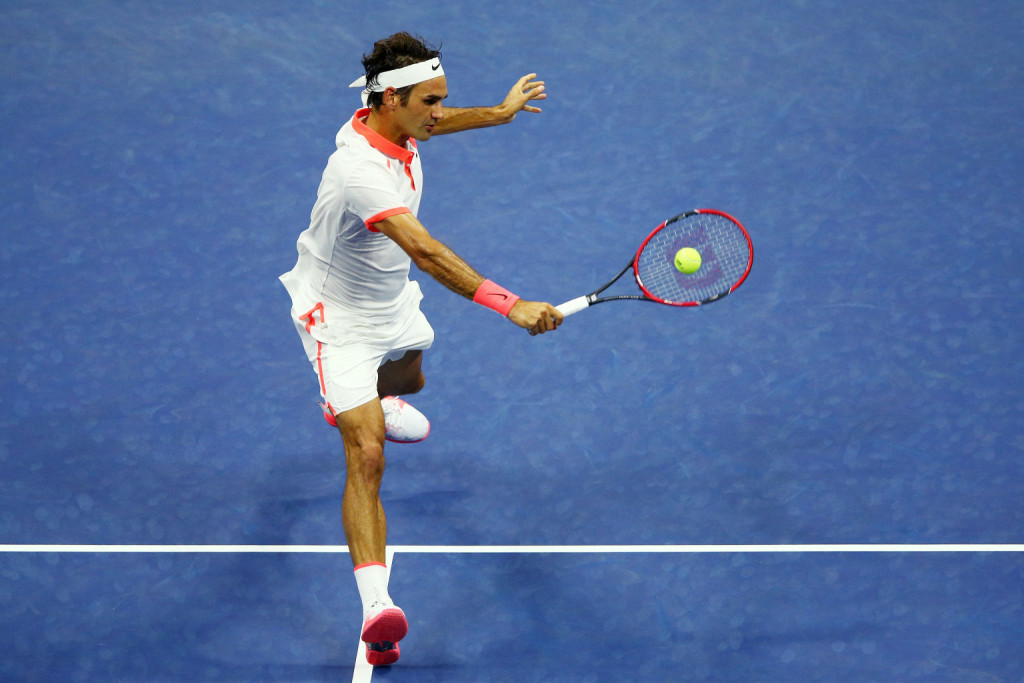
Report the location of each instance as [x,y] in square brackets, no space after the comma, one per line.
[310,319]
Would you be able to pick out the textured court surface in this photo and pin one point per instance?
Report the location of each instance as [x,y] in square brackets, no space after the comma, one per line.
[864,386]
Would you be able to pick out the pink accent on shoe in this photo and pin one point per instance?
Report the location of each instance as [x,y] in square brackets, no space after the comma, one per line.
[388,625]
[329,414]
[382,654]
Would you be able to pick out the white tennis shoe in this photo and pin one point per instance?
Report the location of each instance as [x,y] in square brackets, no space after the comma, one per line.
[402,422]
[383,627]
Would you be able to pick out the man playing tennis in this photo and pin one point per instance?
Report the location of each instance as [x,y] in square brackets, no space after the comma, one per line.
[354,306]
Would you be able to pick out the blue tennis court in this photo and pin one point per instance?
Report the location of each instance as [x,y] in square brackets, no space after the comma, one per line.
[818,478]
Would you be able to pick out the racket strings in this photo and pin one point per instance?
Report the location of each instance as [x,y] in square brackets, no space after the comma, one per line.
[725,259]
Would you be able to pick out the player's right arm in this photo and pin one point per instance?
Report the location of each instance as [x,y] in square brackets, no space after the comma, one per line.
[441,263]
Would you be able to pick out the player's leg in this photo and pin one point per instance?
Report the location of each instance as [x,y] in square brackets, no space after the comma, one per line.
[362,432]
[402,376]
[362,514]
[347,373]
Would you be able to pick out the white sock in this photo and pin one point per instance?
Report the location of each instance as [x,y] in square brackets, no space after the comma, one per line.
[372,582]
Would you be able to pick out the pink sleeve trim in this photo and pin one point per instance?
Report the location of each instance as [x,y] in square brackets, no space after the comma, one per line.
[385,214]
[495,297]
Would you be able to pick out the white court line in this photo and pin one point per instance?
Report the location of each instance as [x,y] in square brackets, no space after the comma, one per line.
[514,549]
[737,548]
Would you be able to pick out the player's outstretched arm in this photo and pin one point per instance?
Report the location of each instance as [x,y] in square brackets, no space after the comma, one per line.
[526,90]
[441,263]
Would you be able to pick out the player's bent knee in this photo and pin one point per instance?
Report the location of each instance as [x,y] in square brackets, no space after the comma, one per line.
[366,462]
[416,384]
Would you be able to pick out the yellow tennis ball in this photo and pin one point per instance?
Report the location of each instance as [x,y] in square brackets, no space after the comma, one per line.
[688,260]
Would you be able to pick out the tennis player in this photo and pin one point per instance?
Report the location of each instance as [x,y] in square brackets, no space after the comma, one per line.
[355,307]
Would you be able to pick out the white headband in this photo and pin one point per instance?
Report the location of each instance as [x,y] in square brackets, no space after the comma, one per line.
[400,78]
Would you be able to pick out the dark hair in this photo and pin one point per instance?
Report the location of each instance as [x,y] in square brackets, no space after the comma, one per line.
[394,52]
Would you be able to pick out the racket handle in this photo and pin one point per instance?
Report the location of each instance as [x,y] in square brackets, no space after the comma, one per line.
[573,305]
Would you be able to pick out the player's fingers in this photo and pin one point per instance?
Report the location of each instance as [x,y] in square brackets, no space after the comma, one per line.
[553,317]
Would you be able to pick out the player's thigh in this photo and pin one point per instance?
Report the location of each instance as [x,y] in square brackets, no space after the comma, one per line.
[402,369]
[362,430]
[405,372]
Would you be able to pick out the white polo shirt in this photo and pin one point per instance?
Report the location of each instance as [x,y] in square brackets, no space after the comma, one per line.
[343,261]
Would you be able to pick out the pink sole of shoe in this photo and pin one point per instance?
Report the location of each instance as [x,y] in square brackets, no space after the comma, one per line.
[382,654]
[388,625]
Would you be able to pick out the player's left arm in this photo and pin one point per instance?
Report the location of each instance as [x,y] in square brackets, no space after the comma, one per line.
[526,90]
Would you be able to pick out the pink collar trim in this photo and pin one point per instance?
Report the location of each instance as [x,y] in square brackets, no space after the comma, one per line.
[378,141]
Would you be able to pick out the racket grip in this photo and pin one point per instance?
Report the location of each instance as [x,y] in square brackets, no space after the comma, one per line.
[573,305]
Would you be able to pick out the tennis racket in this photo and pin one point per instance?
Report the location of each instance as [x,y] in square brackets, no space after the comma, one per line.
[726,257]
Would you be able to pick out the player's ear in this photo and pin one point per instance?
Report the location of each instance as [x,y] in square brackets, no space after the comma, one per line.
[390,97]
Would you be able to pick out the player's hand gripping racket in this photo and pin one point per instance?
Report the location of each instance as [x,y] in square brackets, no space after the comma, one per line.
[725,257]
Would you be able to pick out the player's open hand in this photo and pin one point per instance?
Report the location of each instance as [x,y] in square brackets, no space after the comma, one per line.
[536,317]
[526,90]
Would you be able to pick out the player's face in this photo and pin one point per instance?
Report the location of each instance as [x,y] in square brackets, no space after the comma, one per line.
[418,118]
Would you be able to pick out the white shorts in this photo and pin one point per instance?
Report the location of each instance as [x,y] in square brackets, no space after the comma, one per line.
[346,350]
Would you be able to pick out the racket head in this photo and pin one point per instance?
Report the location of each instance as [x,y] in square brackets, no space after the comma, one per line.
[727,255]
